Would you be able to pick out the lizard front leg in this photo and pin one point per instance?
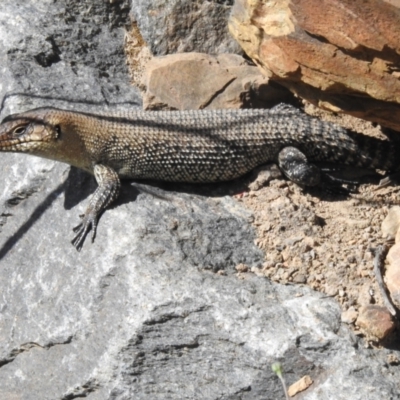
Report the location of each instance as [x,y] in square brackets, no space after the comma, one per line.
[107,192]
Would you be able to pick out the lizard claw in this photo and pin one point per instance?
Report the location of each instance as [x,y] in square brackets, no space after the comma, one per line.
[88,222]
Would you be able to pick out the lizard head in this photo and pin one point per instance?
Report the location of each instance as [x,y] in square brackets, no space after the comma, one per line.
[28,134]
[45,132]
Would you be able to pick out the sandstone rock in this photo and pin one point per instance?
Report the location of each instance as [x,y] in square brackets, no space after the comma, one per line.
[376,322]
[196,80]
[180,26]
[392,274]
[391,223]
[328,52]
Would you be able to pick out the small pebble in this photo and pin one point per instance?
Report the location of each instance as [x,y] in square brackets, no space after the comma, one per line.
[376,321]
[349,316]
[302,384]
[242,268]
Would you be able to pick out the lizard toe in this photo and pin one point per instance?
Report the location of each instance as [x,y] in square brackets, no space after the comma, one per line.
[88,223]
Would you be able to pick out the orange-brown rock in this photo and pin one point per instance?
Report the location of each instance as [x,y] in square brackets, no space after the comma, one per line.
[391,223]
[302,384]
[376,322]
[196,80]
[392,275]
[342,55]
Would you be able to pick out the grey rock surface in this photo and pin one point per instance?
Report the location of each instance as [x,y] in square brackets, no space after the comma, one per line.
[64,53]
[141,313]
[178,26]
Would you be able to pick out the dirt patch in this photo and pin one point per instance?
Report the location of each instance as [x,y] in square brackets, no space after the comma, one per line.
[323,239]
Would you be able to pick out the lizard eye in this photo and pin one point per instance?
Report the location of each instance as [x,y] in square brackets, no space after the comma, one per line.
[20,130]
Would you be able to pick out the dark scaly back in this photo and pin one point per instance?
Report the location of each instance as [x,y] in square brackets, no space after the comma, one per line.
[376,153]
[323,141]
[253,137]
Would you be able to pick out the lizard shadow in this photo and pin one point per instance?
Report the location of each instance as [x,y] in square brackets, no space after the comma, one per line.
[80,185]
[36,214]
[77,187]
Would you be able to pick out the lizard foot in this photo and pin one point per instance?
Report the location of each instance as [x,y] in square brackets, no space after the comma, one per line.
[333,185]
[89,221]
[106,192]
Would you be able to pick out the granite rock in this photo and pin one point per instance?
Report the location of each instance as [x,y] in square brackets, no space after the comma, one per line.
[64,54]
[179,26]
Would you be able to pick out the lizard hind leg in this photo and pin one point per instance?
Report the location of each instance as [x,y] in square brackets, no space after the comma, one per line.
[107,192]
[293,163]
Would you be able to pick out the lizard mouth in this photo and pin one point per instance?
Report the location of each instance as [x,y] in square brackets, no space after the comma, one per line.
[17,144]
[6,142]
